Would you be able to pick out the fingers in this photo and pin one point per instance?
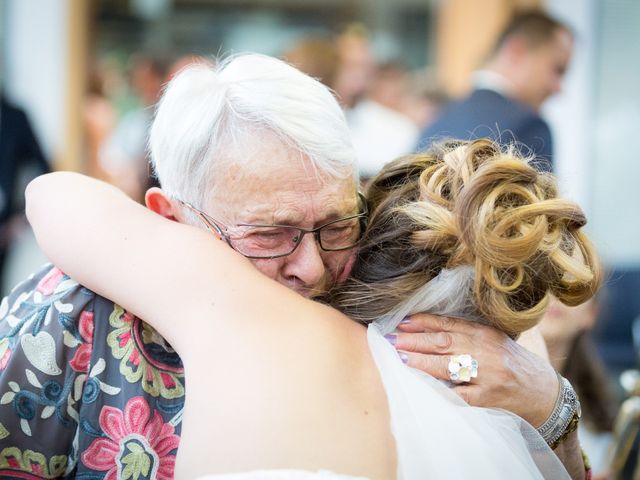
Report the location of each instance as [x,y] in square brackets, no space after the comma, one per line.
[435,343]
[425,322]
[434,365]
[474,332]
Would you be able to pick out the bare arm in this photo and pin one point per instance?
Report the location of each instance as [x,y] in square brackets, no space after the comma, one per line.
[139,259]
[236,330]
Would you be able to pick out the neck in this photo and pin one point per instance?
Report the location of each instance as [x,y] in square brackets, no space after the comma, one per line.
[504,69]
[558,353]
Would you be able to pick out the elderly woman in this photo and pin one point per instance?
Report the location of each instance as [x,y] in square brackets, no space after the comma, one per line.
[296,389]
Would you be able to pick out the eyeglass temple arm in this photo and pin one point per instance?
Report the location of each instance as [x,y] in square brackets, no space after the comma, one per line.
[213,228]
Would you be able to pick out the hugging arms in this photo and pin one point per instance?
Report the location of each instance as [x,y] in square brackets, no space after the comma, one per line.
[200,152]
[116,236]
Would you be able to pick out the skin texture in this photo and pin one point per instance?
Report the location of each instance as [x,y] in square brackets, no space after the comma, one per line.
[511,365]
[280,187]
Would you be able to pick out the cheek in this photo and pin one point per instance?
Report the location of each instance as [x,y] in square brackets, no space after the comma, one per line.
[343,268]
[270,268]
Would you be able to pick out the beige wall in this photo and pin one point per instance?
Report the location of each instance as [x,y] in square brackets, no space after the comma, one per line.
[71,156]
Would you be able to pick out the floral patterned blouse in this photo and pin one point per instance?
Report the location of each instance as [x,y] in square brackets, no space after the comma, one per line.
[87,390]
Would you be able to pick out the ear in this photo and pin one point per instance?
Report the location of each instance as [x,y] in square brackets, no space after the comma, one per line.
[159,202]
[516,48]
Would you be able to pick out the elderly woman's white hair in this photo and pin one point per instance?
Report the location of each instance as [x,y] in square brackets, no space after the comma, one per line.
[209,113]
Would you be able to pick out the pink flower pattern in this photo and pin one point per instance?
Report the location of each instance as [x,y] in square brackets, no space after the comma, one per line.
[143,359]
[137,444]
[115,368]
[50,281]
[5,353]
[82,355]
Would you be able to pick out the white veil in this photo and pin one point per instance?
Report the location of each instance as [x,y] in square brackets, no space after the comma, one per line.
[449,293]
[437,434]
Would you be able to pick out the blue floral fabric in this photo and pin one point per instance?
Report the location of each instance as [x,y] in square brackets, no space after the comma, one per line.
[87,390]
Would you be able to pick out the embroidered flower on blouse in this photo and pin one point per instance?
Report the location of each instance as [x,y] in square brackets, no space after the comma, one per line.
[30,464]
[5,352]
[82,355]
[144,356]
[51,396]
[136,444]
[50,281]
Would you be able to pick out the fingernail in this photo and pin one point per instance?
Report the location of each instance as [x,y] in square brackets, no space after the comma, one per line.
[391,338]
[404,357]
[405,320]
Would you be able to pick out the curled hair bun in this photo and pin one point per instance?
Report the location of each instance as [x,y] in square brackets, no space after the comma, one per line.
[471,204]
[524,243]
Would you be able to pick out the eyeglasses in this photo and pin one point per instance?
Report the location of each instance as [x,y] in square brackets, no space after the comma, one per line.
[273,241]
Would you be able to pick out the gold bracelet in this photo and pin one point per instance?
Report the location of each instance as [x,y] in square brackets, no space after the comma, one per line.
[571,427]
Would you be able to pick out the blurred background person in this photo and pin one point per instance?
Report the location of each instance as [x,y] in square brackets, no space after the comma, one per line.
[525,67]
[21,159]
[426,99]
[123,155]
[568,334]
[99,116]
[356,65]
[380,128]
[317,56]
[374,96]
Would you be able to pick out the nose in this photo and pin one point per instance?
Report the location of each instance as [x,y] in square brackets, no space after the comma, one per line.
[306,264]
[556,82]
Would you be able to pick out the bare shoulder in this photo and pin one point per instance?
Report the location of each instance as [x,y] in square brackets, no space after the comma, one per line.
[302,370]
[316,335]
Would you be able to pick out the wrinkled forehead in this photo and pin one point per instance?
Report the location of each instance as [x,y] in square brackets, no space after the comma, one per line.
[277,183]
[260,151]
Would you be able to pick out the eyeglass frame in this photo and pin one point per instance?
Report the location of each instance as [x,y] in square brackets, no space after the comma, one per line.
[215,227]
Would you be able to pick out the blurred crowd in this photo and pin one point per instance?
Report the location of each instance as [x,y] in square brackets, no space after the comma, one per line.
[386,104]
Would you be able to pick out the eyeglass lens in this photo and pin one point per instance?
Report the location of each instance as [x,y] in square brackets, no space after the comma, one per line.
[271,241]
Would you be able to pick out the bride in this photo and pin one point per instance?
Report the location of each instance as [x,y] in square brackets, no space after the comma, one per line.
[297,389]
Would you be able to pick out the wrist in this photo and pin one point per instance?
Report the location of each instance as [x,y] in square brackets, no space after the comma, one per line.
[550,389]
[564,417]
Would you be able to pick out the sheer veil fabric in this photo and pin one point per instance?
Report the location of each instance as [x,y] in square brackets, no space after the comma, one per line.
[439,436]
[435,430]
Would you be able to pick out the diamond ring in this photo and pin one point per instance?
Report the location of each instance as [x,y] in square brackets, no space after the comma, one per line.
[462,368]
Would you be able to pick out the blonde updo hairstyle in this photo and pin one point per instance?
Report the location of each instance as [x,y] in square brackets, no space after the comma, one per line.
[478,208]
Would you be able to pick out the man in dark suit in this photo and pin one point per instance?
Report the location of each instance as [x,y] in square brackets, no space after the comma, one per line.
[18,148]
[525,67]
